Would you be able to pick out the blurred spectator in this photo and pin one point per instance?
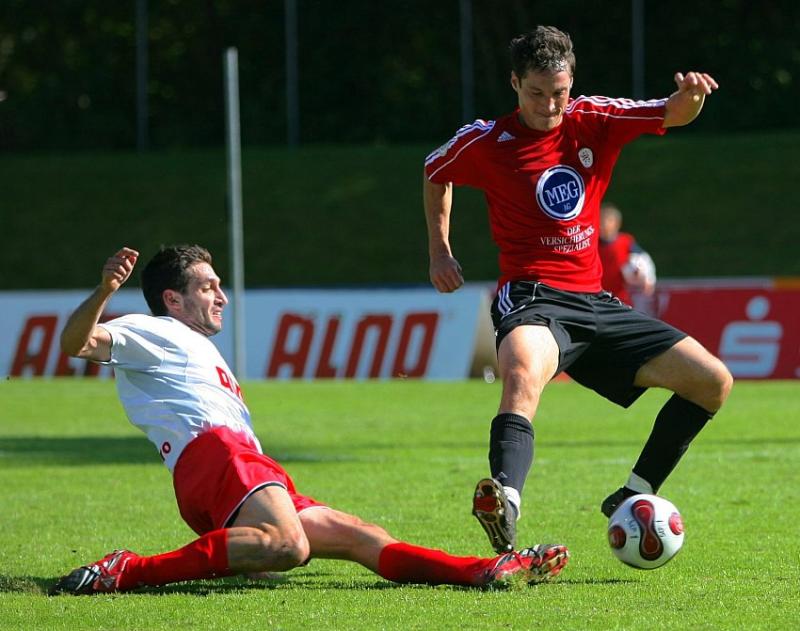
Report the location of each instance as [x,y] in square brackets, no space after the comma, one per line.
[628,271]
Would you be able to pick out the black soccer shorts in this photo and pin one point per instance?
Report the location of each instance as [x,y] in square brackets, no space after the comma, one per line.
[602,342]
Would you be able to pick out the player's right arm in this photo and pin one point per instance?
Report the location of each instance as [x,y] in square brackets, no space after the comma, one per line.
[445,271]
[82,337]
[454,163]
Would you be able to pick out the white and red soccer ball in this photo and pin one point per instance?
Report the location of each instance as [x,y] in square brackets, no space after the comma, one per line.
[645,531]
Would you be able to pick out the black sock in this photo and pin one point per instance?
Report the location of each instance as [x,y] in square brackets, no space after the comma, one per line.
[678,422]
[511,450]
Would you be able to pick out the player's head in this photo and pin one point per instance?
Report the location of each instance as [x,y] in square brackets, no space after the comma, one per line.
[180,282]
[544,49]
[610,221]
[542,67]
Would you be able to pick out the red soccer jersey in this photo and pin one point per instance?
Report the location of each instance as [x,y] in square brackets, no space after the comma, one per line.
[544,188]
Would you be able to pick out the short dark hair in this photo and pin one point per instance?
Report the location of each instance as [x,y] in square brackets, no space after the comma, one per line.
[544,49]
[168,269]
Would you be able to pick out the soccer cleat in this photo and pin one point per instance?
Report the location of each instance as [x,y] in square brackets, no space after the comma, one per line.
[495,514]
[610,504]
[98,578]
[533,565]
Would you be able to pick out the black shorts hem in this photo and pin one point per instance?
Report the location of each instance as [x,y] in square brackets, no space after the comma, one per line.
[602,342]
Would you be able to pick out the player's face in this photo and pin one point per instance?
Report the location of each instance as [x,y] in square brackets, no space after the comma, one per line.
[200,306]
[609,226]
[543,97]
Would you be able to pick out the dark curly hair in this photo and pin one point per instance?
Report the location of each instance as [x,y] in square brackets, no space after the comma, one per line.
[168,269]
[544,49]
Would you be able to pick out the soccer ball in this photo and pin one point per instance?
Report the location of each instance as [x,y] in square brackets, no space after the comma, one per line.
[645,531]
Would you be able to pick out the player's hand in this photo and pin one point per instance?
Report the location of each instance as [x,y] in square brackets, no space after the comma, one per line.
[118,269]
[445,273]
[695,85]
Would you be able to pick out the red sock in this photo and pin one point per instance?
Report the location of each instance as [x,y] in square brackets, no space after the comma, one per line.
[206,557]
[404,563]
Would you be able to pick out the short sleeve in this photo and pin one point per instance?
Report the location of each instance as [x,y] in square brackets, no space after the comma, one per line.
[622,120]
[456,161]
[133,346]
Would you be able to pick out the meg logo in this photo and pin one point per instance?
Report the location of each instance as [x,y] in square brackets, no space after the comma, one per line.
[560,193]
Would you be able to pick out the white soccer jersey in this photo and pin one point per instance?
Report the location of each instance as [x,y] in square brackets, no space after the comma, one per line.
[173,382]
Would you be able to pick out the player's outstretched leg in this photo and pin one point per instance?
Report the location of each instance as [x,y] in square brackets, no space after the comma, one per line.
[336,535]
[701,383]
[203,558]
[495,515]
[406,563]
[675,427]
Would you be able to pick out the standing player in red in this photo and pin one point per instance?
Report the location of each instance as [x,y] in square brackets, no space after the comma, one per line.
[626,266]
[177,388]
[544,169]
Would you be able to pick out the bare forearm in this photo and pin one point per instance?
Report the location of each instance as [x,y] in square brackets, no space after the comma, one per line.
[445,271]
[81,336]
[438,200]
[684,105]
[78,338]
[682,109]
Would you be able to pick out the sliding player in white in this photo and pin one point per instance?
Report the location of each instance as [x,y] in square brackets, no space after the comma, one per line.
[177,388]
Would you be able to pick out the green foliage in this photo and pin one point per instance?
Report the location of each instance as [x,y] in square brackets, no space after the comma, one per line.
[368,71]
[78,481]
[325,215]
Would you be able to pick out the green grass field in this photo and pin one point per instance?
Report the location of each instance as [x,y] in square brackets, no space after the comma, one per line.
[79,481]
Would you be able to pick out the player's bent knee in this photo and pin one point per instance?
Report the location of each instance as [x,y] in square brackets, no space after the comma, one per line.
[519,382]
[714,387]
[294,550]
[283,550]
[724,384]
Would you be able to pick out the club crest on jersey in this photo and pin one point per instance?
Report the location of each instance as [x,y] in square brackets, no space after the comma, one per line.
[560,193]
[586,156]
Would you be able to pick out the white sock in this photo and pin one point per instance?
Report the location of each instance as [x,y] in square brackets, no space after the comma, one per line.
[639,484]
[512,495]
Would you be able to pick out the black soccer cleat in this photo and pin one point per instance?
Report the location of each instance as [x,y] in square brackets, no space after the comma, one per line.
[495,514]
[99,577]
[79,581]
[610,504]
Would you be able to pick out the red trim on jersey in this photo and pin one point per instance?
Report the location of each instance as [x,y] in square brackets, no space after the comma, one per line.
[555,243]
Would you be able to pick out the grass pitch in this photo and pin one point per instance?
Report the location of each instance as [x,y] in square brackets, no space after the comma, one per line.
[79,481]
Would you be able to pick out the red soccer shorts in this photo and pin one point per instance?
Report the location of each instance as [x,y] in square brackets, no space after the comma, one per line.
[218,471]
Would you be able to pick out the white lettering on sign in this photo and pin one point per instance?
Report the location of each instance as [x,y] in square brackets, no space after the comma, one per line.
[751,348]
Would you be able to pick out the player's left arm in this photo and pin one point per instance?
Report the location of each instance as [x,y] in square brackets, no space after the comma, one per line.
[685,103]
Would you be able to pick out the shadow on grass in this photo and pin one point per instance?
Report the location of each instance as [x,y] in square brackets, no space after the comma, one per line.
[25,584]
[208,588]
[38,586]
[582,444]
[89,450]
[597,581]
[77,450]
